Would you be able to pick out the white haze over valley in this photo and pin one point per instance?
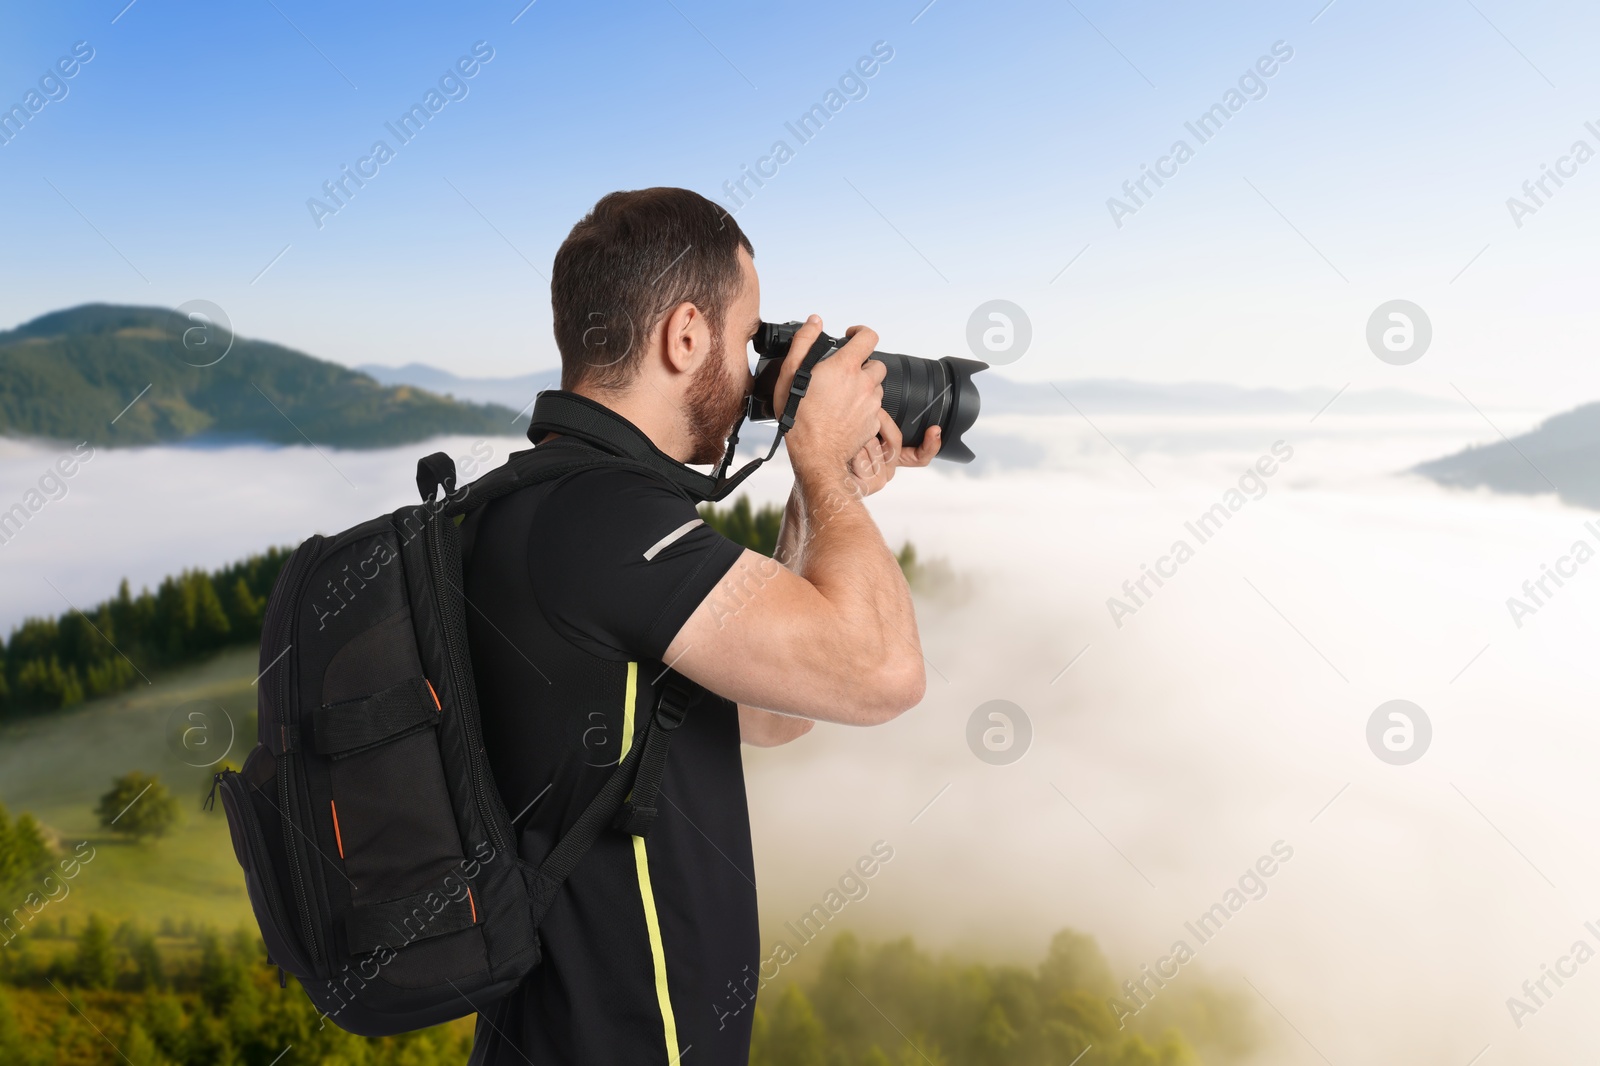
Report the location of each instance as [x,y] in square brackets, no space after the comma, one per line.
[1221,717]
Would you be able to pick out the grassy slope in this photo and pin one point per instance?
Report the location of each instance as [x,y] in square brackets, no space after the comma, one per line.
[57,766]
[66,375]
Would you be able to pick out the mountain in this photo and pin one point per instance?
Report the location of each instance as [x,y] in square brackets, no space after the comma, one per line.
[76,374]
[1113,396]
[515,392]
[1562,456]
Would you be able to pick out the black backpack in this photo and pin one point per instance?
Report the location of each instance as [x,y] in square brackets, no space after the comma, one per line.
[378,856]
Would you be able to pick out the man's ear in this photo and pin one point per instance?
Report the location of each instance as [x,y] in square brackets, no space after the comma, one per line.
[687,338]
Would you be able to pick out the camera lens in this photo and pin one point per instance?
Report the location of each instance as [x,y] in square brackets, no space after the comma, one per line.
[922,393]
[917,393]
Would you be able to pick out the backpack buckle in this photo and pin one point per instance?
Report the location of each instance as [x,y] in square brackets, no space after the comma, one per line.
[672,706]
[635,820]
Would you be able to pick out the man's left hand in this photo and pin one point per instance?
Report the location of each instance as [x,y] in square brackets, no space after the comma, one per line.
[874,465]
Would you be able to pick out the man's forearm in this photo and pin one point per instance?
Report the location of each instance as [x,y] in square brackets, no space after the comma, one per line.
[844,557]
[792,531]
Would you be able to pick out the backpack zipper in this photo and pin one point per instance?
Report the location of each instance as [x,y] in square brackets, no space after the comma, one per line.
[453,662]
[256,845]
[296,859]
[286,766]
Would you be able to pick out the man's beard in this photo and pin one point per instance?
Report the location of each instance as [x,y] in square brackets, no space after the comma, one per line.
[715,404]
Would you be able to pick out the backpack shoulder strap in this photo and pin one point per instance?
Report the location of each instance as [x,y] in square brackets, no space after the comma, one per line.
[524,468]
[626,801]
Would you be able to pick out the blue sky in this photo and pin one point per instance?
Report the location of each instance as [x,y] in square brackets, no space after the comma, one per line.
[978,163]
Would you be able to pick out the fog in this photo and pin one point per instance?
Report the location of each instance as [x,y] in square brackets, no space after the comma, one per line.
[1227,712]
[1208,726]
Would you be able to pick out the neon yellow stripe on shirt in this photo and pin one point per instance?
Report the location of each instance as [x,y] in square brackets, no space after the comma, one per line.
[642,861]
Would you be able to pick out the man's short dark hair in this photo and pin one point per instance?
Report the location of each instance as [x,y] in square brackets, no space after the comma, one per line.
[632,259]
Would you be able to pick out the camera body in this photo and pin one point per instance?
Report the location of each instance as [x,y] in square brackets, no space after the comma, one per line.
[917,393]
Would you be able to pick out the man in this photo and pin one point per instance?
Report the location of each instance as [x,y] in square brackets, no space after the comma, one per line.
[586,590]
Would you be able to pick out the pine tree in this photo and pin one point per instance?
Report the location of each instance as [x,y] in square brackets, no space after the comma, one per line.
[95,965]
[137,1046]
[211,621]
[223,976]
[32,853]
[244,607]
[149,973]
[794,1036]
[23,851]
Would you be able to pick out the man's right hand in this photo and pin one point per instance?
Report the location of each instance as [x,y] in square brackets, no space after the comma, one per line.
[839,413]
[836,641]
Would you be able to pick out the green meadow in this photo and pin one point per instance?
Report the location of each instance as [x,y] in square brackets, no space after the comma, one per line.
[57,765]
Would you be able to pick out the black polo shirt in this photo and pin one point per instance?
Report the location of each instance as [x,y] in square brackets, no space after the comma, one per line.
[576,587]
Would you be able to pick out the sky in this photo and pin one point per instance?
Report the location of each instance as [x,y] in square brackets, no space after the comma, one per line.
[976,163]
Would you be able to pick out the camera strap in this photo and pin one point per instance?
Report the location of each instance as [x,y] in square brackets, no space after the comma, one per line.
[568,413]
[578,416]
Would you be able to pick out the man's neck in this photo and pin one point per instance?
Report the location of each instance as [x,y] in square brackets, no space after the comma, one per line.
[652,412]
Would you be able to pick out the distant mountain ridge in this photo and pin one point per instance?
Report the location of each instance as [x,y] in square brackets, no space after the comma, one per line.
[513,392]
[1001,395]
[118,375]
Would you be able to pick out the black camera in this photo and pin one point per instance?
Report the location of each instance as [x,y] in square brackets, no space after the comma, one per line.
[917,393]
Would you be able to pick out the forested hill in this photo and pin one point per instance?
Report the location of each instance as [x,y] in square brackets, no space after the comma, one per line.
[1561,455]
[69,374]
